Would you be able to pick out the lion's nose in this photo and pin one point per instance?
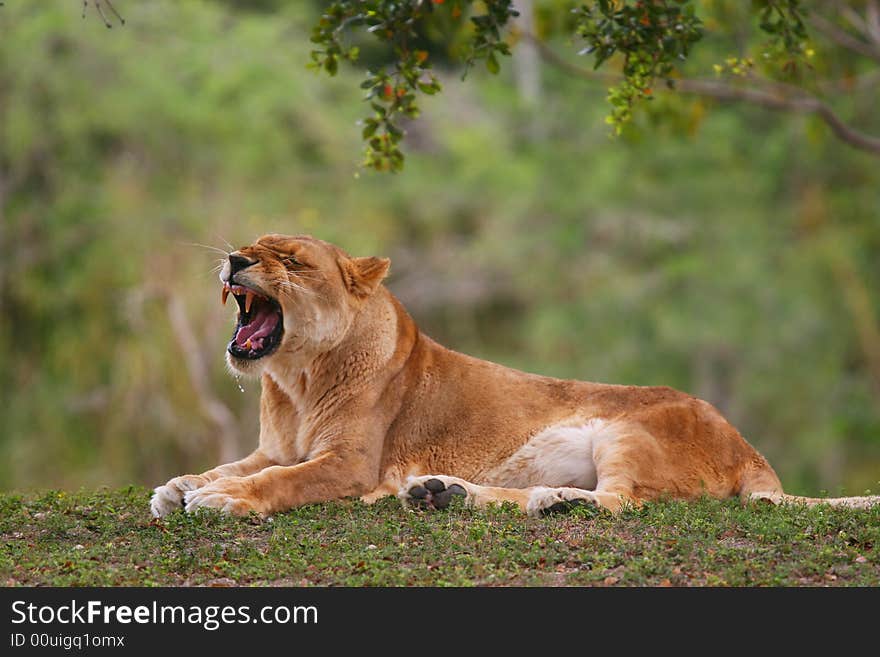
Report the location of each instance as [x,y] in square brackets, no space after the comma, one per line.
[237,262]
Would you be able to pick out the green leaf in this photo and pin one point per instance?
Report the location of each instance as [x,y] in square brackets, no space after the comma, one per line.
[492,64]
[394,131]
[369,129]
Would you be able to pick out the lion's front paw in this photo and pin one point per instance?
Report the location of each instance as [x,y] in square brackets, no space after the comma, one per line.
[233,495]
[169,497]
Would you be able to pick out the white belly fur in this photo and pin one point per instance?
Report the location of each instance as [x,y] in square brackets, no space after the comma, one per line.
[560,455]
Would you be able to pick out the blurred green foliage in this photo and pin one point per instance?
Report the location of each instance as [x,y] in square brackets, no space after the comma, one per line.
[719,249]
[650,39]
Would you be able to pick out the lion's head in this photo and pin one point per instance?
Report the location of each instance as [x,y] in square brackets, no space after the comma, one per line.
[296,295]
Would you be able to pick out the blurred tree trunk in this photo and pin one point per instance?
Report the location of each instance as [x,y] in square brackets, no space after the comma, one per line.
[713,367]
[526,58]
[819,223]
[3,259]
[227,433]
[857,298]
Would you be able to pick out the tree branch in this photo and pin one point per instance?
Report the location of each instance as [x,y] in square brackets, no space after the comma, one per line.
[872,21]
[781,97]
[803,104]
[843,38]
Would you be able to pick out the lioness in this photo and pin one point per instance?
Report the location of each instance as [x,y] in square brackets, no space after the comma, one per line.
[357,401]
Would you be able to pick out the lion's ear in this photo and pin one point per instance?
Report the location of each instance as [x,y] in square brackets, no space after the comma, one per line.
[363,275]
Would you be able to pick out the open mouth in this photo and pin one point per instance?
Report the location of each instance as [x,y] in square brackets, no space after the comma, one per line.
[260,323]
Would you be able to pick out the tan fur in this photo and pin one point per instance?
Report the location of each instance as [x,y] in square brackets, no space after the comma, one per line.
[357,401]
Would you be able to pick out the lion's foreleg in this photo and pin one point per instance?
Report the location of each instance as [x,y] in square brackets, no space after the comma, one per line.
[278,488]
[169,497]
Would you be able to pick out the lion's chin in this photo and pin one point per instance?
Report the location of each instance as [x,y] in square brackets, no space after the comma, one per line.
[249,367]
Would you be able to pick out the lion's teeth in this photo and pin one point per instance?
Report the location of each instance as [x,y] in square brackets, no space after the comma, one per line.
[225,294]
[247,345]
[248,300]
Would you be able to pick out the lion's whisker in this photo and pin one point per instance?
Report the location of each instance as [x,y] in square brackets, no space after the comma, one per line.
[210,248]
[226,242]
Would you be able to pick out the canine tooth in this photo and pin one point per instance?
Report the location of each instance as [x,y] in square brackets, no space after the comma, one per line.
[225,294]
[248,300]
[247,345]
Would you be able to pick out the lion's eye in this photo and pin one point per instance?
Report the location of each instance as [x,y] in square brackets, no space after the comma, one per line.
[291,261]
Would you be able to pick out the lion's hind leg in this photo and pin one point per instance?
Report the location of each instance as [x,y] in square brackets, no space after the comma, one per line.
[439,491]
[544,501]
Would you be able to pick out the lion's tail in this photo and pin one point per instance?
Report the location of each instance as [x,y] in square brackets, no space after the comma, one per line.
[858,502]
[760,483]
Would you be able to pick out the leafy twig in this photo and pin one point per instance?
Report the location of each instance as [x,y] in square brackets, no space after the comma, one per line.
[393,91]
[653,37]
[99,6]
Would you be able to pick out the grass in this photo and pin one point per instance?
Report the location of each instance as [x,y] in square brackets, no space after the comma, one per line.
[107,538]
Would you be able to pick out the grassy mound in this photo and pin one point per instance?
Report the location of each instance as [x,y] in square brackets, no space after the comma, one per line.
[107,538]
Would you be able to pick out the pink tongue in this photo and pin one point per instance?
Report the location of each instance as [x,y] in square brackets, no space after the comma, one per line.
[259,327]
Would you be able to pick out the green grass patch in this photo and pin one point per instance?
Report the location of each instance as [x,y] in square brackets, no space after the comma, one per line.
[107,538]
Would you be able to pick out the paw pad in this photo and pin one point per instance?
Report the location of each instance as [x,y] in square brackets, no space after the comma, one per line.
[434,494]
[565,506]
